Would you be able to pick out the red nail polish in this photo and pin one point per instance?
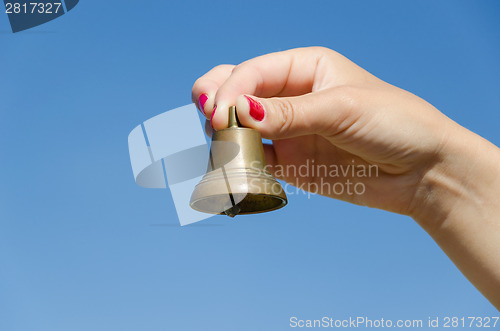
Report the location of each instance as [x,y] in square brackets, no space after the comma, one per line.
[256,109]
[201,102]
[211,117]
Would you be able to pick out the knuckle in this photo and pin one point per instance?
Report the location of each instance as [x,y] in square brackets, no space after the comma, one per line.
[222,67]
[347,102]
[321,50]
[285,111]
[346,97]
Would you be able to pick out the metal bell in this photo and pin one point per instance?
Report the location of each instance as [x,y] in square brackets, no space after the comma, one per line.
[236,181]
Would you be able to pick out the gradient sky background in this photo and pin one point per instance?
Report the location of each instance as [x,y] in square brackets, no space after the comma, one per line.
[82,247]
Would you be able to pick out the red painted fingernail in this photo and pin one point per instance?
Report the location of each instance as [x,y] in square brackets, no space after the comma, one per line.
[201,101]
[256,109]
[213,113]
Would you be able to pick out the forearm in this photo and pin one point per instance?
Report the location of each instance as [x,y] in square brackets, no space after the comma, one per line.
[460,208]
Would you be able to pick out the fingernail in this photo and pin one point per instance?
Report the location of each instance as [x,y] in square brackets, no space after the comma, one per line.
[201,101]
[256,109]
[213,113]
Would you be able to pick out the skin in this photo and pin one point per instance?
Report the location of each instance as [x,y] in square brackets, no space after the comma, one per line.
[320,106]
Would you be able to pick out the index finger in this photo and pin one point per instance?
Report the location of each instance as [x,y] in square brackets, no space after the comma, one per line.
[288,73]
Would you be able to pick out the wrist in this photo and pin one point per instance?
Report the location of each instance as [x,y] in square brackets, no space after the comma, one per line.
[463,183]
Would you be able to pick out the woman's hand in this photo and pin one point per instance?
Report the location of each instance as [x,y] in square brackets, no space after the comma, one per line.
[320,108]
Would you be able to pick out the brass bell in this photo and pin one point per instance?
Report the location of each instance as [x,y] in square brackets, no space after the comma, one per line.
[236,181]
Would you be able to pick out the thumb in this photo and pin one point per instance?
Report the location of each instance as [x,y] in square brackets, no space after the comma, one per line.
[325,112]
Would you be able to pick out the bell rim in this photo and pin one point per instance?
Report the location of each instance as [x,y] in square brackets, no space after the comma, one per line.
[283,198]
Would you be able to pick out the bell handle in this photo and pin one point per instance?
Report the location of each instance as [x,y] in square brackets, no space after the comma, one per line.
[233,118]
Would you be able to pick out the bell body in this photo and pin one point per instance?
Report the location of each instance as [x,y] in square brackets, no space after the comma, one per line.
[236,181]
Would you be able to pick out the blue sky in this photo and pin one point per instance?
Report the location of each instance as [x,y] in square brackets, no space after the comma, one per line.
[82,247]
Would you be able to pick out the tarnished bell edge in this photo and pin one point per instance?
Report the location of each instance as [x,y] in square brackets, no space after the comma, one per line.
[236,181]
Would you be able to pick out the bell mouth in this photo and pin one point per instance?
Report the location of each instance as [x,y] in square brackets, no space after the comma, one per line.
[249,203]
